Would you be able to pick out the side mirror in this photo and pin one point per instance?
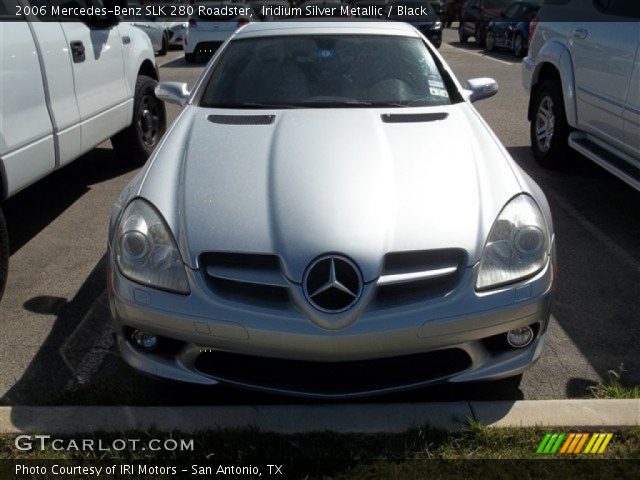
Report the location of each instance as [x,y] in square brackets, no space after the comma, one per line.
[481,88]
[173,92]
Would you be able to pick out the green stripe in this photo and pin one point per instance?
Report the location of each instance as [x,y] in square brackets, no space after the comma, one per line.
[558,443]
[543,443]
[549,446]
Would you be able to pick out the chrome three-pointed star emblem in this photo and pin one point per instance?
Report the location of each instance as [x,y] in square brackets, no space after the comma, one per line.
[332,283]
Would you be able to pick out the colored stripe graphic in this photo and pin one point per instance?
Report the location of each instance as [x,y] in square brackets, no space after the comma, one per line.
[605,442]
[562,443]
[543,443]
[568,442]
[581,443]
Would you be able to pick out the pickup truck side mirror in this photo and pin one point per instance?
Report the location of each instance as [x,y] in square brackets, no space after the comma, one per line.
[481,88]
[173,92]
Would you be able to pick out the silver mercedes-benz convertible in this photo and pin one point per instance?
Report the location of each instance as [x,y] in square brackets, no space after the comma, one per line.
[329,216]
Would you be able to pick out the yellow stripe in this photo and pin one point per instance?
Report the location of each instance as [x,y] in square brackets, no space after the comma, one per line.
[594,437]
[581,443]
[596,445]
[567,442]
[605,442]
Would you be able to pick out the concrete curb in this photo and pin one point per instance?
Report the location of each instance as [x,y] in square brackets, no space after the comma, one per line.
[349,418]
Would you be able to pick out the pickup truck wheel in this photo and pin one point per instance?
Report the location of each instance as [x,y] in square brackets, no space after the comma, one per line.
[190,57]
[4,253]
[549,129]
[136,142]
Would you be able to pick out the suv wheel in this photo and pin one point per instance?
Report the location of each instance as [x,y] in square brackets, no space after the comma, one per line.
[4,253]
[549,130]
[137,141]
[464,38]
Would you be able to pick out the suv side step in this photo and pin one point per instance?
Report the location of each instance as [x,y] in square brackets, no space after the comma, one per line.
[623,166]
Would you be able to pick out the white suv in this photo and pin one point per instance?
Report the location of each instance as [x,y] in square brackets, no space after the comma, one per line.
[66,87]
[583,74]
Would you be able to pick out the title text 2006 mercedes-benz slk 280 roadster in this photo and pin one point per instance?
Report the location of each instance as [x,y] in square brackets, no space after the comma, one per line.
[330,216]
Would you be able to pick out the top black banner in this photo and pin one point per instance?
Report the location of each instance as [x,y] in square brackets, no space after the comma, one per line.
[111,11]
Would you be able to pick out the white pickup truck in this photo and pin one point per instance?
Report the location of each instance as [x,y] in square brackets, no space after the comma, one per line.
[66,87]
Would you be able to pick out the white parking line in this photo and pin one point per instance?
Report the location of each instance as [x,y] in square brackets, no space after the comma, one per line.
[478,54]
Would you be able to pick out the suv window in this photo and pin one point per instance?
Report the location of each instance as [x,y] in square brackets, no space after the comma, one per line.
[621,8]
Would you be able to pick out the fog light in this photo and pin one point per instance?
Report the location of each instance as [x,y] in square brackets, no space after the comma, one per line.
[520,337]
[144,340]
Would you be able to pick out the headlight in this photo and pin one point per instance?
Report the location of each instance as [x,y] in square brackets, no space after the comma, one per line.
[436,26]
[146,251]
[517,247]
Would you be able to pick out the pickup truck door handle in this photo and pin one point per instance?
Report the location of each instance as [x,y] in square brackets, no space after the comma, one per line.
[77,51]
[580,33]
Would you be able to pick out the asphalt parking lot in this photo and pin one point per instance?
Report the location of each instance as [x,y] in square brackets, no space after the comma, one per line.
[57,344]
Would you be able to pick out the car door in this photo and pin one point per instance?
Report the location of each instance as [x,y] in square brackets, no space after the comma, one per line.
[98,73]
[604,53]
[27,144]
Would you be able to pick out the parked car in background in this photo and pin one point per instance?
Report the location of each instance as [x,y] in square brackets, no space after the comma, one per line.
[476,16]
[429,24]
[174,26]
[438,7]
[375,8]
[154,30]
[205,33]
[584,83]
[59,99]
[511,30]
[453,12]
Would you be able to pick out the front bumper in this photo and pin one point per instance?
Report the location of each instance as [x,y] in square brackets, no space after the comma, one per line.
[528,67]
[464,321]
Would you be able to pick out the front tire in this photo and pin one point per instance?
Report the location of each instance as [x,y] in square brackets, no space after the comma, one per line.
[4,253]
[549,129]
[136,142]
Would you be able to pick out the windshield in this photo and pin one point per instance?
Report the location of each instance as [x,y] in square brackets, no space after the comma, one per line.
[325,71]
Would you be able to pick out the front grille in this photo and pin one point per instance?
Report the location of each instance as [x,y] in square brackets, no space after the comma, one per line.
[407,277]
[246,278]
[420,275]
[333,378]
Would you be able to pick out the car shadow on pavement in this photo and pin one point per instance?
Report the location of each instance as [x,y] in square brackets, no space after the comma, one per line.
[44,201]
[597,226]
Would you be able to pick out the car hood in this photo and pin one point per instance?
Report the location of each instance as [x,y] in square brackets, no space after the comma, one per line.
[330,180]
